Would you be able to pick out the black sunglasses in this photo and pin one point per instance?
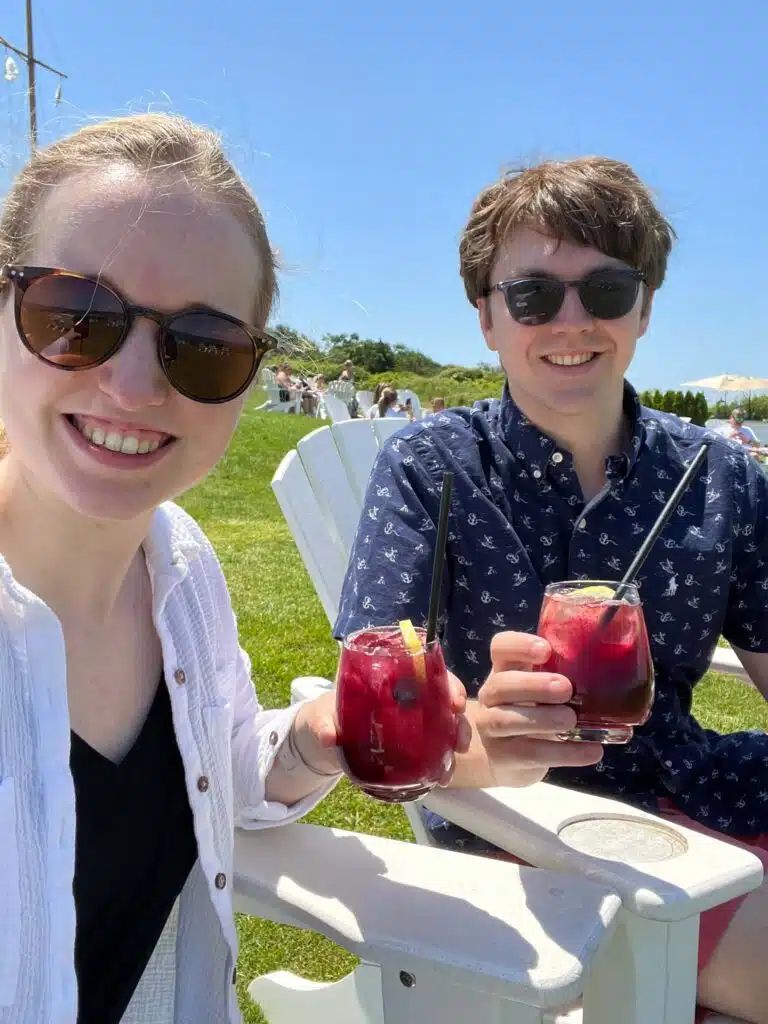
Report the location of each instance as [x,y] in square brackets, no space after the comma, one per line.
[75,323]
[605,294]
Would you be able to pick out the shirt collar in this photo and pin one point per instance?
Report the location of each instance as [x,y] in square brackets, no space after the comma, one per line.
[538,451]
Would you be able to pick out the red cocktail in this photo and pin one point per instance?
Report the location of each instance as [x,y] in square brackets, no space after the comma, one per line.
[601,645]
[398,729]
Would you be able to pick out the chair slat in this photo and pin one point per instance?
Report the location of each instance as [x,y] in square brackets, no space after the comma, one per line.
[358,447]
[319,548]
[330,484]
[384,429]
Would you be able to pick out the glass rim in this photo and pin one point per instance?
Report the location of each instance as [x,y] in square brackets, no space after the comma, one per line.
[350,642]
[561,588]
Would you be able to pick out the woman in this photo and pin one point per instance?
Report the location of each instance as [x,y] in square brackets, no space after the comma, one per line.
[373,412]
[131,739]
[388,405]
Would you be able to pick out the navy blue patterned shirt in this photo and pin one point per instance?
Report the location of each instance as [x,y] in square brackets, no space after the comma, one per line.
[519,521]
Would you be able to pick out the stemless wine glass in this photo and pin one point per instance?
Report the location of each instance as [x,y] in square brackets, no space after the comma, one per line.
[398,728]
[601,645]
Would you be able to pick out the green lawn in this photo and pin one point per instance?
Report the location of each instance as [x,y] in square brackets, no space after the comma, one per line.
[286,633]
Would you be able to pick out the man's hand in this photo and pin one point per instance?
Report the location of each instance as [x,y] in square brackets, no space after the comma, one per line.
[516,718]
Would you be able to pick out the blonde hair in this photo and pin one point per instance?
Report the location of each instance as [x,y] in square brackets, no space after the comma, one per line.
[387,399]
[592,201]
[154,142]
[151,142]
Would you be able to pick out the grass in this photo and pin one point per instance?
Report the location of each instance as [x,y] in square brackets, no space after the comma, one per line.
[285,631]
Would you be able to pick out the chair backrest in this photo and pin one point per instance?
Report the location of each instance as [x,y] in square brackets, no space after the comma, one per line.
[343,389]
[320,488]
[364,401]
[335,408]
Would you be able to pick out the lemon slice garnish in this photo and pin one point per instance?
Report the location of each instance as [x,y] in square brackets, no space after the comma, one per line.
[598,591]
[414,647]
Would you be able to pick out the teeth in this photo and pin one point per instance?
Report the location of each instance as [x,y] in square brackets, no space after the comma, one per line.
[576,359]
[127,444]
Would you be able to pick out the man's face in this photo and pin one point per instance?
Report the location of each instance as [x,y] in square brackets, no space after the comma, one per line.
[532,357]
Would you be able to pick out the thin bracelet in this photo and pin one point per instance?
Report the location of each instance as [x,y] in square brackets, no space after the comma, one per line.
[297,755]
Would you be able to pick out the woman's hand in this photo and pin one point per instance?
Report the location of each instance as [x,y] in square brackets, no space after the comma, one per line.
[318,735]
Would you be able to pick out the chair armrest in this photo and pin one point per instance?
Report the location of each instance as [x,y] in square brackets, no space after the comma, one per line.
[662,872]
[513,932]
[724,660]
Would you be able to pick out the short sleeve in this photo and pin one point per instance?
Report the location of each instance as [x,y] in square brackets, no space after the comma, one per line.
[746,621]
[389,572]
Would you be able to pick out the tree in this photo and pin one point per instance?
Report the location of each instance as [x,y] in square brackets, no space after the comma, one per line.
[701,409]
[671,401]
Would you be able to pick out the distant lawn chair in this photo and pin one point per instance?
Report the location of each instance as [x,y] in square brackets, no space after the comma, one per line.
[665,875]
[331,407]
[274,403]
[364,402]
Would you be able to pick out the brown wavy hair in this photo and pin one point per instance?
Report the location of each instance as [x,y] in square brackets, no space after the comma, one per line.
[592,201]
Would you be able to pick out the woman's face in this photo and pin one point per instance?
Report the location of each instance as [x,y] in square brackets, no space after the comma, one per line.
[164,246]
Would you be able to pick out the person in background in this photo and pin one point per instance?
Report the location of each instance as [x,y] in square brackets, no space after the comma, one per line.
[407,408]
[373,412]
[388,405]
[740,431]
[438,405]
[286,384]
[348,371]
[561,478]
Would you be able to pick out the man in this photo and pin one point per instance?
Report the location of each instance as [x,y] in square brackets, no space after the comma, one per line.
[562,478]
[740,431]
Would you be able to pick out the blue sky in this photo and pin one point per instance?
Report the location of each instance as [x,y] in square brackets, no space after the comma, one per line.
[366,129]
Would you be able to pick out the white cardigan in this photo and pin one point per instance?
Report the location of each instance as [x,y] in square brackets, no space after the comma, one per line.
[222,734]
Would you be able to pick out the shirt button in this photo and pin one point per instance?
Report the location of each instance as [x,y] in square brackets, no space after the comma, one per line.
[583,524]
[203,784]
[537,474]
[557,458]
[668,764]
[220,881]
[180,676]
[273,738]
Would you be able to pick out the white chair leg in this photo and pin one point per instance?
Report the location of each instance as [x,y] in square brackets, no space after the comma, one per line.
[286,998]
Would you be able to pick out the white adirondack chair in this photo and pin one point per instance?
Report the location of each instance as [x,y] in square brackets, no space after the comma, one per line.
[364,401]
[331,407]
[666,876]
[274,403]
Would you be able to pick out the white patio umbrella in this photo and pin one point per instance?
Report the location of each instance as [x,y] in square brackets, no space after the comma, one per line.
[729,382]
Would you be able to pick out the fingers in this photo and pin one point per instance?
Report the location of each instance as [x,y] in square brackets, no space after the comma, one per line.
[504,720]
[518,650]
[522,687]
[510,757]
[458,694]
[463,734]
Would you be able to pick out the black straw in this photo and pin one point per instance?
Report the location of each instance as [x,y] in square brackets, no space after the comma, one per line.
[652,536]
[439,562]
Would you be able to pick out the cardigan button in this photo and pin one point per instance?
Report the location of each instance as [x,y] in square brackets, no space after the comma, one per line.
[180,676]
[220,881]
[203,784]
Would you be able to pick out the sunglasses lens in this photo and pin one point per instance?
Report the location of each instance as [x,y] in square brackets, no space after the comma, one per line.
[209,358]
[609,295]
[70,322]
[534,301]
